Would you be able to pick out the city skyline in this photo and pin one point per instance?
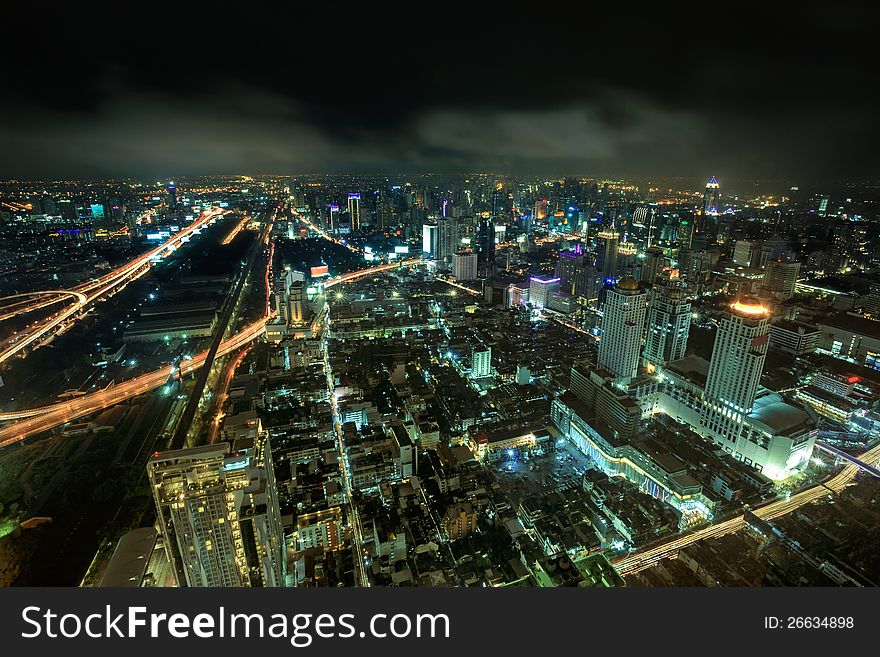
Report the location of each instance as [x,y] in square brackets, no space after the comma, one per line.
[543,299]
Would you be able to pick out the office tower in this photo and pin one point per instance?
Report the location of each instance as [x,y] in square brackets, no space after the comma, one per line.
[172,196]
[217,509]
[686,228]
[780,278]
[586,284]
[540,290]
[296,303]
[643,220]
[498,202]
[430,240]
[354,210]
[623,321]
[332,221]
[282,305]
[735,367]
[696,265]
[606,254]
[711,197]
[485,247]
[517,295]
[448,238]
[481,362]
[627,255]
[752,253]
[669,323]
[655,260]
[541,210]
[464,265]
[569,264]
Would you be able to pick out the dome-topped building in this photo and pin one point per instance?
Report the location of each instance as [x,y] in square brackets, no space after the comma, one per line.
[750,306]
[623,321]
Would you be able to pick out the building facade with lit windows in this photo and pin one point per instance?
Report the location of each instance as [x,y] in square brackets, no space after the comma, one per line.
[722,399]
[464,266]
[669,323]
[481,362]
[354,210]
[540,290]
[623,322]
[218,513]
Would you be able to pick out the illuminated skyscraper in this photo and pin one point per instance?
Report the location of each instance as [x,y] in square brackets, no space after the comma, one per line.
[354,210]
[218,513]
[780,278]
[172,196]
[498,202]
[654,261]
[296,302]
[332,220]
[486,247]
[736,366]
[711,197]
[448,238]
[540,290]
[606,253]
[669,322]
[623,321]
[431,240]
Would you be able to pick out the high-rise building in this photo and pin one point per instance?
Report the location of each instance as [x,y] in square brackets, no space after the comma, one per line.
[296,301]
[735,367]
[751,253]
[448,238]
[354,210]
[497,202]
[780,278]
[655,259]
[627,256]
[669,322]
[332,218]
[606,254]
[172,196]
[464,265]
[711,197]
[540,290]
[541,210]
[569,264]
[431,240]
[481,362]
[623,322]
[517,294]
[485,247]
[218,513]
[643,219]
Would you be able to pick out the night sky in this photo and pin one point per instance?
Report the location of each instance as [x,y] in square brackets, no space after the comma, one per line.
[756,96]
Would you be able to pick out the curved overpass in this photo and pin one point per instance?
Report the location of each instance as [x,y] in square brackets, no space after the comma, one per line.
[22,307]
[57,414]
[97,288]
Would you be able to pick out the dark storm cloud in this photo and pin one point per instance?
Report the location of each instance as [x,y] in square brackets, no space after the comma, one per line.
[766,96]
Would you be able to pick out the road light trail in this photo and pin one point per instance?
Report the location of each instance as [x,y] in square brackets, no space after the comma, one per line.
[223,393]
[57,414]
[12,310]
[232,343]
